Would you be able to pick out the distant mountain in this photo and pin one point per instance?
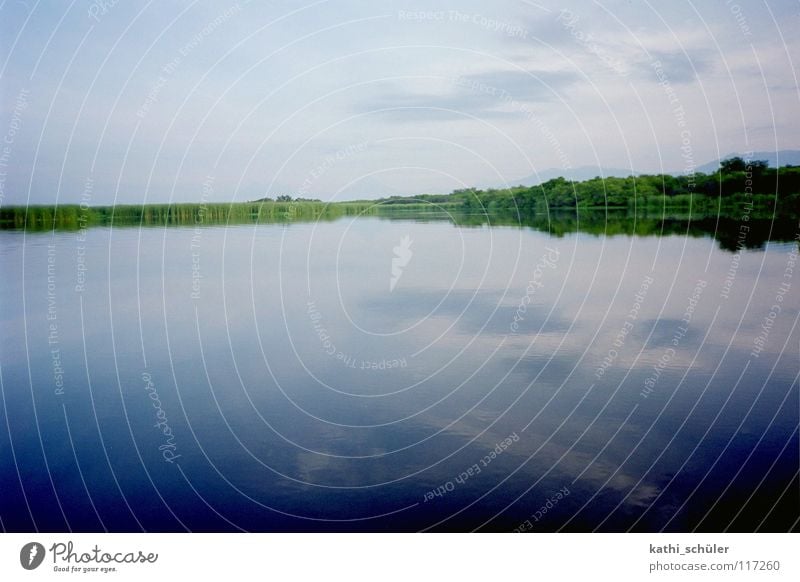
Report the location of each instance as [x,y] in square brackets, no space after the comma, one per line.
[782,157]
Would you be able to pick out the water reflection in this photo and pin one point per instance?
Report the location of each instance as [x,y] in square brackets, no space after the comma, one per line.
[302,390]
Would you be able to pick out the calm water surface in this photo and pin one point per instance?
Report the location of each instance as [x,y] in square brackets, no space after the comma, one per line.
[380,375]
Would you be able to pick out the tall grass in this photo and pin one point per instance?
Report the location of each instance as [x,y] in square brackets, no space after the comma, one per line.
[73,217]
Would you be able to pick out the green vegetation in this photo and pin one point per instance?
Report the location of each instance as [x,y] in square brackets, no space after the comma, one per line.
[699,205]
[771,191]
[615,221]
[74,217]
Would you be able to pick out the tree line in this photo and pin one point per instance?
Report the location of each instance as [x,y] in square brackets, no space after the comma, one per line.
[736,182]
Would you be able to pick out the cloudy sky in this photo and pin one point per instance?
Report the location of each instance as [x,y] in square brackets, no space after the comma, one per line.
[137,102]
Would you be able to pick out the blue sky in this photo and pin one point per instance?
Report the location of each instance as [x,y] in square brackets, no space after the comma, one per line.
[149,101]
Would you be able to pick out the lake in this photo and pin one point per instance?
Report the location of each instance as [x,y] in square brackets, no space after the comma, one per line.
[422,373]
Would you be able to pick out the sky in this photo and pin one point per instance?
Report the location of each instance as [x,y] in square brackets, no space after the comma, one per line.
[118,101]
